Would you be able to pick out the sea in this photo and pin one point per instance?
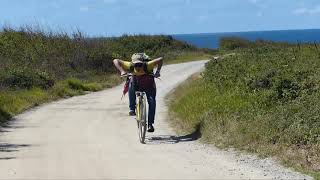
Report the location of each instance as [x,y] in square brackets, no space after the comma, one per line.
[211,40]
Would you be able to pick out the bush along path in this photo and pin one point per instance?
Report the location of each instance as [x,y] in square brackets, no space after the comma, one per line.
[38,66]
[262,99]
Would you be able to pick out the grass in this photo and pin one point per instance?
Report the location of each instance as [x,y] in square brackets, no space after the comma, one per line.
[264,99]
[13,102]
[16,101]
[193,105]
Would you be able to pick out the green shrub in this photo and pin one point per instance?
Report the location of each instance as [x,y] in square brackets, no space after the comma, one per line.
[26,79]
[232,43]
[264,99]
[4,116]
[58,56]
[77,84]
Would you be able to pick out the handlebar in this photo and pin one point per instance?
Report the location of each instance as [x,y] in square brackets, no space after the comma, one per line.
[130,74]
[126,75]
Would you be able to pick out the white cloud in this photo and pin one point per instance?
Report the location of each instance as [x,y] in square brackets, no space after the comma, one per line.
[84,8]
[307,11]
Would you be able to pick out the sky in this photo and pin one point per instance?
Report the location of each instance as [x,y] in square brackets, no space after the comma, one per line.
[117,17]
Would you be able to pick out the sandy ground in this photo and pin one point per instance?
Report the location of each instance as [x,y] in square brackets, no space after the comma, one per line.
[92,137]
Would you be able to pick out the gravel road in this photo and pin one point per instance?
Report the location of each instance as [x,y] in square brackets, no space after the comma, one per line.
[92,137]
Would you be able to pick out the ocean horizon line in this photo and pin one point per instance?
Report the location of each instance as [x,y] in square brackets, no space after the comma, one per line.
[250,31]
[212,40]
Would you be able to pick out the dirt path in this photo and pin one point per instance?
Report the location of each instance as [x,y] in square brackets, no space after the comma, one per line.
[92,137]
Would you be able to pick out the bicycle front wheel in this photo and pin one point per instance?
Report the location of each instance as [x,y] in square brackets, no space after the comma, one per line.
[142,122]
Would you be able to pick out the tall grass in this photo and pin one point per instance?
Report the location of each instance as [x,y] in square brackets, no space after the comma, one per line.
[264,99]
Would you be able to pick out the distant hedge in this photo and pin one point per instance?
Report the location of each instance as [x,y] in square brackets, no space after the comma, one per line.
[233,42]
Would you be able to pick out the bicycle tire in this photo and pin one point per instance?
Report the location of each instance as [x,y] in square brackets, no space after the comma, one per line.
[142,118]
[142,128]
[138,114]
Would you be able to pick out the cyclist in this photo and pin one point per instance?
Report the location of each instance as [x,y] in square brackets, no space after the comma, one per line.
[143,77]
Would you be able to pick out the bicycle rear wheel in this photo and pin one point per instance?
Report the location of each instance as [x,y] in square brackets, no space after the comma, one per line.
[142,118]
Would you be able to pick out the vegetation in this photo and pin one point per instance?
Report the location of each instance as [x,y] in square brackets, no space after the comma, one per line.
[264,99]
[231,43]
[38,66]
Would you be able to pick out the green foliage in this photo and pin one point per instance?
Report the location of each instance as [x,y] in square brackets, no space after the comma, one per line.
[4,116]
[158,45]
[231,43]
[26,79]
[279,79]
[30,57]
[264,99]
[77,84]
[31,54]
[12,102]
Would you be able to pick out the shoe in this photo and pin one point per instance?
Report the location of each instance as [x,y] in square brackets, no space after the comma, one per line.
[132,113]
[150,128]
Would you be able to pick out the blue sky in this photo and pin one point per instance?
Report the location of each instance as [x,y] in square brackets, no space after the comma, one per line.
[116,17]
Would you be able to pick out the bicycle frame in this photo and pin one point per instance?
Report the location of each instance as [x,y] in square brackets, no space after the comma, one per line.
[140,96]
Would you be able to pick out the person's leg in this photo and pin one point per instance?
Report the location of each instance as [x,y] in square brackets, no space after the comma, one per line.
[151,97]
[132,96]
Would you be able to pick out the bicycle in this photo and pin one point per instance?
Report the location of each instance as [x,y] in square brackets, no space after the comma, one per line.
[141,112]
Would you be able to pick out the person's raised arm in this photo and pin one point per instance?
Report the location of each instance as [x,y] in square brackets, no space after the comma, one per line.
[158,62]
[118,63]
